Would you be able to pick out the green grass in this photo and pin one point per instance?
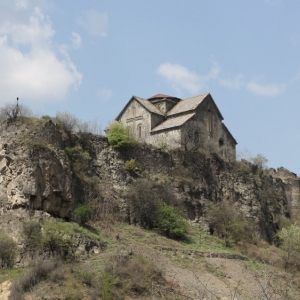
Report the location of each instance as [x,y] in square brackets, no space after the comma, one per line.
[10,274]
[71,228]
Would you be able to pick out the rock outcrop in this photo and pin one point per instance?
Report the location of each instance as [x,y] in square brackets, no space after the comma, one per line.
[43,168]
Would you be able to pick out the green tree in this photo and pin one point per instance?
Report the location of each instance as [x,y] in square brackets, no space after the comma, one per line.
[119,136]
[290,242]
[82,214]
[170,222]
[8,250]
[32,233]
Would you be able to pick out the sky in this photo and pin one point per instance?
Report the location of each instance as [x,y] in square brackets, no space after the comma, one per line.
[90,57]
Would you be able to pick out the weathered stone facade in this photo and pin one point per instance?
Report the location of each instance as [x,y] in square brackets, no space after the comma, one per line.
[169,122]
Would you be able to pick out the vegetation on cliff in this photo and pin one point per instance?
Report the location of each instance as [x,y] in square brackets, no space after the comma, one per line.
[134,207]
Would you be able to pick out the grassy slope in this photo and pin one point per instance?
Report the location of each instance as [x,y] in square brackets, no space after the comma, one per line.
[138,264]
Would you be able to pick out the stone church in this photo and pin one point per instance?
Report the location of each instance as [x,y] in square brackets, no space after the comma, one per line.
[169,122]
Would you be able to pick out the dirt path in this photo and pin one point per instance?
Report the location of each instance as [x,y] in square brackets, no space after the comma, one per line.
[207,278]
[4,289]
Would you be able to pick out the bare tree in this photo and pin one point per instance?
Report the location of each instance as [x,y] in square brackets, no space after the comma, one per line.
[12,111]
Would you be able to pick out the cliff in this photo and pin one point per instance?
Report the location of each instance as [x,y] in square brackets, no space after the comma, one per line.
[44,168]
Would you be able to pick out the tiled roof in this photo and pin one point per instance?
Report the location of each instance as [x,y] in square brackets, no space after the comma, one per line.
[187,105]
[148,105]
[173,122]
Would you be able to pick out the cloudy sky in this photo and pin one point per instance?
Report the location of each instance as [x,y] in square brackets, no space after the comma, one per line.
[90,57]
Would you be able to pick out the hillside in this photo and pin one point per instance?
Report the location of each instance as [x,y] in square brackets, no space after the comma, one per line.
[234,209]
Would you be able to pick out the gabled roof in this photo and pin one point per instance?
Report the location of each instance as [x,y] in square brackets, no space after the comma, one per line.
[145,103]
[191,104]
[173,122]
[148,105]
[187,105]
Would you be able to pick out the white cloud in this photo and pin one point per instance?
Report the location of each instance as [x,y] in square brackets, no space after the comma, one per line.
[266,89]
[182,78]
[236,83]
[32,67]
[94,22]
[104,94]
[76,40]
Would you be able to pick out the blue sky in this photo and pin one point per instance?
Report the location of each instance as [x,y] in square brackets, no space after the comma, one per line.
[90,57]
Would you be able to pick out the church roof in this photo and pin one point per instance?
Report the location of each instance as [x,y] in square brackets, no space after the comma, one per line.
[148,105]
[190,104]
[173,122]
[187,105]
[145,103]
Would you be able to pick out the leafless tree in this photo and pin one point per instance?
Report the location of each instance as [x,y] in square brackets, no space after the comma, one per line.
[12,111]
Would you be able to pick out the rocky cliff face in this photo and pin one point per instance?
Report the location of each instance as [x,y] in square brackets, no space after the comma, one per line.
[34,171]
[42,168]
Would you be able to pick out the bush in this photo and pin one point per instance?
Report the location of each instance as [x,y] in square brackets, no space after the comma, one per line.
[119,136]
[260,161]
[145,200]
[143,203]
[290,242]
[82,214]
[170,222]
[8,251]
[32,232]
[129,274]
[130,165]
[226,222]
[40,271]
[68,121]
[56,243]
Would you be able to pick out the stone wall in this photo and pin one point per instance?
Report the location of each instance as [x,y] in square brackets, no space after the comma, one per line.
[138,119]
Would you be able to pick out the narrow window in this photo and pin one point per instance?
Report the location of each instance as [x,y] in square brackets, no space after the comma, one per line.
[221,143]
[140,131]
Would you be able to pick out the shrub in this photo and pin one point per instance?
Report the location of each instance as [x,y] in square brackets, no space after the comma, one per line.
[82,214]
[290,241]
[130,165]
[119,136]
[260,161]
[55,241]
[145,200]
[226,222]
[170,222]
[143,203]
[68,121]
[129,274]
[40,271]
[33,236]
[8,251]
